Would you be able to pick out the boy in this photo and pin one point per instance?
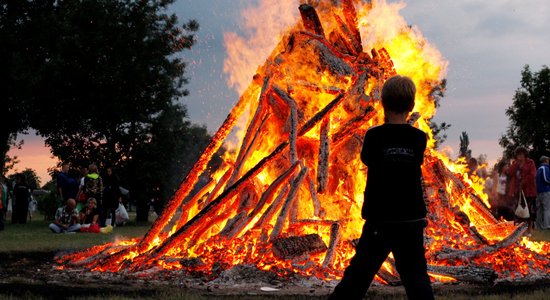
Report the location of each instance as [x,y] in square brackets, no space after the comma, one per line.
[394,207]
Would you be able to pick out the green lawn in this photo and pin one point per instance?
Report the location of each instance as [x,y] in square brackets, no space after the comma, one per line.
[36,236]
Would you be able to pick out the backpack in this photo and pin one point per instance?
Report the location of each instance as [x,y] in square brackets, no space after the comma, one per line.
[92,186]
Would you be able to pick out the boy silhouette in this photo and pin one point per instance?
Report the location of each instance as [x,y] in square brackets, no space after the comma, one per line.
[394,207]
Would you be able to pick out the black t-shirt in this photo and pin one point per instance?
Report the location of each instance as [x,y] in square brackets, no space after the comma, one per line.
[89,215]
[394,154]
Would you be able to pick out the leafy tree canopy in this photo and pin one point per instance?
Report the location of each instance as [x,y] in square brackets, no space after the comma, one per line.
[465,150]
[529,122]
[33,181]
[100,81]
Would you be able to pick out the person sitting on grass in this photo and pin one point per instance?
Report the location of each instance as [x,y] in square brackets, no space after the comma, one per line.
[89,216]
[66,218]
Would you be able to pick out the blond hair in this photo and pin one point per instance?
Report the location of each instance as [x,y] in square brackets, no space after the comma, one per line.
[92,200]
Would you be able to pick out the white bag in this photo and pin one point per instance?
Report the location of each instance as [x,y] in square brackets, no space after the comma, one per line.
[522,210]
[33,204]
[121,214]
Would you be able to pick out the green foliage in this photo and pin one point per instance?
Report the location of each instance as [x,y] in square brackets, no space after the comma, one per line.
[438,129]
[48,203]
[464,150]
[31,178]
[100,81]
[110,72]
[163,161]
[529,126]
[8,162]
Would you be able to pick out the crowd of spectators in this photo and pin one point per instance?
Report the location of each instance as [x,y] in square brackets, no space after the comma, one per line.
[93,201]
[520,178]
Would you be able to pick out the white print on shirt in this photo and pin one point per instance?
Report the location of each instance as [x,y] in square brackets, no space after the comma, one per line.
[399,151]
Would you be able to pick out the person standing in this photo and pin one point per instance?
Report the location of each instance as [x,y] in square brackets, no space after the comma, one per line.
[503,205]
[522,179]
[395,217]
[93,188]
[66,185]
[543,194]
[111,196]
[21,193]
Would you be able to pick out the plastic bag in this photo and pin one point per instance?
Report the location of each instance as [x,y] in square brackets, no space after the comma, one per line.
[522,210]
[121,214]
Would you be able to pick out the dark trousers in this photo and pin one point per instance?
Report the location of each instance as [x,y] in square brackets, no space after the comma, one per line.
[1,218]
[20,212]
[406,241]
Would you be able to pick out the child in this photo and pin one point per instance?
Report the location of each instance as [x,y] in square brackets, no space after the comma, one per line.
[394,207]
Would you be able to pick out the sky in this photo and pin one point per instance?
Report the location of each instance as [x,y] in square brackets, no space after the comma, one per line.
[486,44]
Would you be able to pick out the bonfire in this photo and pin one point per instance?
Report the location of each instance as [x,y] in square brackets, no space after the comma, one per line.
[288,198]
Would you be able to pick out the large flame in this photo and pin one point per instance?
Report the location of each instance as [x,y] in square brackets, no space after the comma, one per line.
[296,171]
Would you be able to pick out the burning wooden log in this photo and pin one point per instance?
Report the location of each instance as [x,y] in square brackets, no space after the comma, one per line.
[317,210]
[266,196]
[192,177]
[270,213]
[332,246]
[294,246]
[287,206]
[311,20]
[293,120]
[346,37]
[388,277]
[449,253]
[256,123]
[459,188]
[350,16]
[325,56]
[216,190]
[471,274]
[322,166]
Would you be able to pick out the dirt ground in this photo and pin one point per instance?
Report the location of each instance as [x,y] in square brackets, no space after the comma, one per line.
[24,273]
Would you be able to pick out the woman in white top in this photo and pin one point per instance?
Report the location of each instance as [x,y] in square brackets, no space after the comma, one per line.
[502,206]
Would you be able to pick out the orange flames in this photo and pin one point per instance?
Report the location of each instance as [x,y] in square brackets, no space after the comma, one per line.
[296,169]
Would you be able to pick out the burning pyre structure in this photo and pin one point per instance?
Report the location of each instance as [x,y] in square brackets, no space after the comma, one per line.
[288,199]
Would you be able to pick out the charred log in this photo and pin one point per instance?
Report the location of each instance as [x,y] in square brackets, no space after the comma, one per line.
[449,253]
[294,246]
[470,274]
[322,165]
[311,20]
[287,206]
[334,241]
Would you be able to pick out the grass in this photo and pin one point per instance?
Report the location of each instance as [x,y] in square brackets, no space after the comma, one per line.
[35,238]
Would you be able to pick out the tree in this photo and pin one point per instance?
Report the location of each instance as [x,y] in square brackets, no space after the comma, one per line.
[164,160]
[98,77]
[111,72]
[528,116]
[437,93]
[464,150]
[33,181]
[23,32]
